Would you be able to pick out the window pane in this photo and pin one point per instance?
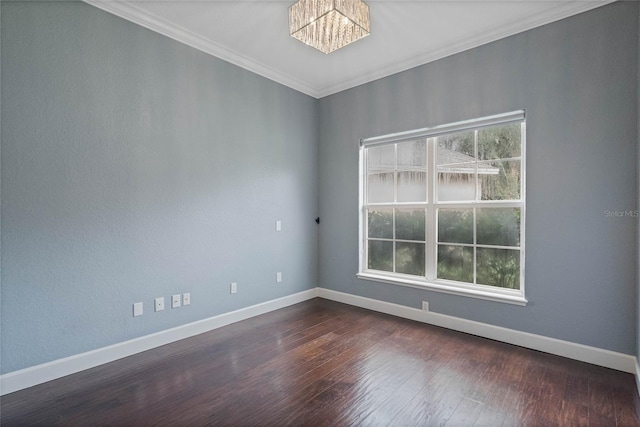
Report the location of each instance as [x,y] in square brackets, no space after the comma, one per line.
[499,180]
[380,173]
[412,155]
[380,255]
[381,223]
[460,187]
[381,158]
[498,267]
[380,187]
[500,142]
[455,225]
[412,171]
[498,226]
[456,167]
[410,258]
[459,143]
[410,224]
[412,186]
[455,263]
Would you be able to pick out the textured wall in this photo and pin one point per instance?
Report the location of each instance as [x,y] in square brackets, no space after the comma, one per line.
[638,207]
[135,167]
[577,80]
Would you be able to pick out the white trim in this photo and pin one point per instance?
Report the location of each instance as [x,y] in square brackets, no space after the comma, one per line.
[138,16]
[584,353]
[430,132]
[432,206]
[461,289]
[28,377]
[135,14]
[638,376]
[565,10]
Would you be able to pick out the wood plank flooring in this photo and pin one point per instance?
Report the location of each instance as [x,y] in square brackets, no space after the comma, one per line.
[323,363]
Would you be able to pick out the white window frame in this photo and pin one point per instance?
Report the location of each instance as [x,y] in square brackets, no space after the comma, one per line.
[430,282]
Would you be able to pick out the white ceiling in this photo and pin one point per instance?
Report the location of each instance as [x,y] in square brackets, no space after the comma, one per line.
[404,34]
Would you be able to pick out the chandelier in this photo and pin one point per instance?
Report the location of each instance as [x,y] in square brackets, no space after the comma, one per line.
[328,25]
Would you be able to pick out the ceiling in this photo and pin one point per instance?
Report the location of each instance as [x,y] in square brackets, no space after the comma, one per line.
[254,34]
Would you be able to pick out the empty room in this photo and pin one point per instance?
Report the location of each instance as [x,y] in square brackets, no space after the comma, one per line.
[319,212]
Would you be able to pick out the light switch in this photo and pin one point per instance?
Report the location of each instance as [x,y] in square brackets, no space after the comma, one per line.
[137,309]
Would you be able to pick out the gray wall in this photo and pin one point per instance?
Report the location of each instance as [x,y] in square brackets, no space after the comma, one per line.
[135,167]
[638,207]
[577,80]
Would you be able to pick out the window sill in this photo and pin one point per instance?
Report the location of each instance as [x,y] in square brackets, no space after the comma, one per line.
[499,295]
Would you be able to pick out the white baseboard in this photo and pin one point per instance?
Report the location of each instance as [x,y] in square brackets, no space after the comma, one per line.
[28,377]
[584,353]
[637,376]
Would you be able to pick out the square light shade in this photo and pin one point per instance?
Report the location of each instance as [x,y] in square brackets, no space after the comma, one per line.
[328,25]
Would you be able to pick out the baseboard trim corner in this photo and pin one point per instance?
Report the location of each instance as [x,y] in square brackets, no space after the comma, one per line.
[637,376]
[583,353]
[28,377]
[34,375]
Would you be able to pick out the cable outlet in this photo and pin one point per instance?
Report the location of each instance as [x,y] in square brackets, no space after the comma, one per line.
[159,304]
[425,305]
[186,298]
[234,287]
[175,301]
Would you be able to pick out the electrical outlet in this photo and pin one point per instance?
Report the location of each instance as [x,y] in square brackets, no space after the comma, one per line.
[425,305]
[175,301]
[159,304]
[137,309]
[278,225]
[234,287]
[278,277]
[186,298]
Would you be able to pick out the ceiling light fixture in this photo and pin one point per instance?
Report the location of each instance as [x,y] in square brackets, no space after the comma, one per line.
[328,25]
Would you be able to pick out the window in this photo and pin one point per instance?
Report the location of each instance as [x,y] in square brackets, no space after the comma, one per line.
[443,208]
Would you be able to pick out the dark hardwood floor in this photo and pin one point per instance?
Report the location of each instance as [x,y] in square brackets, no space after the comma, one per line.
[324,363]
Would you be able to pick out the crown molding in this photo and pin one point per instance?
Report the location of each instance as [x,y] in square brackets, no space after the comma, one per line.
[563,11]
[132,13]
